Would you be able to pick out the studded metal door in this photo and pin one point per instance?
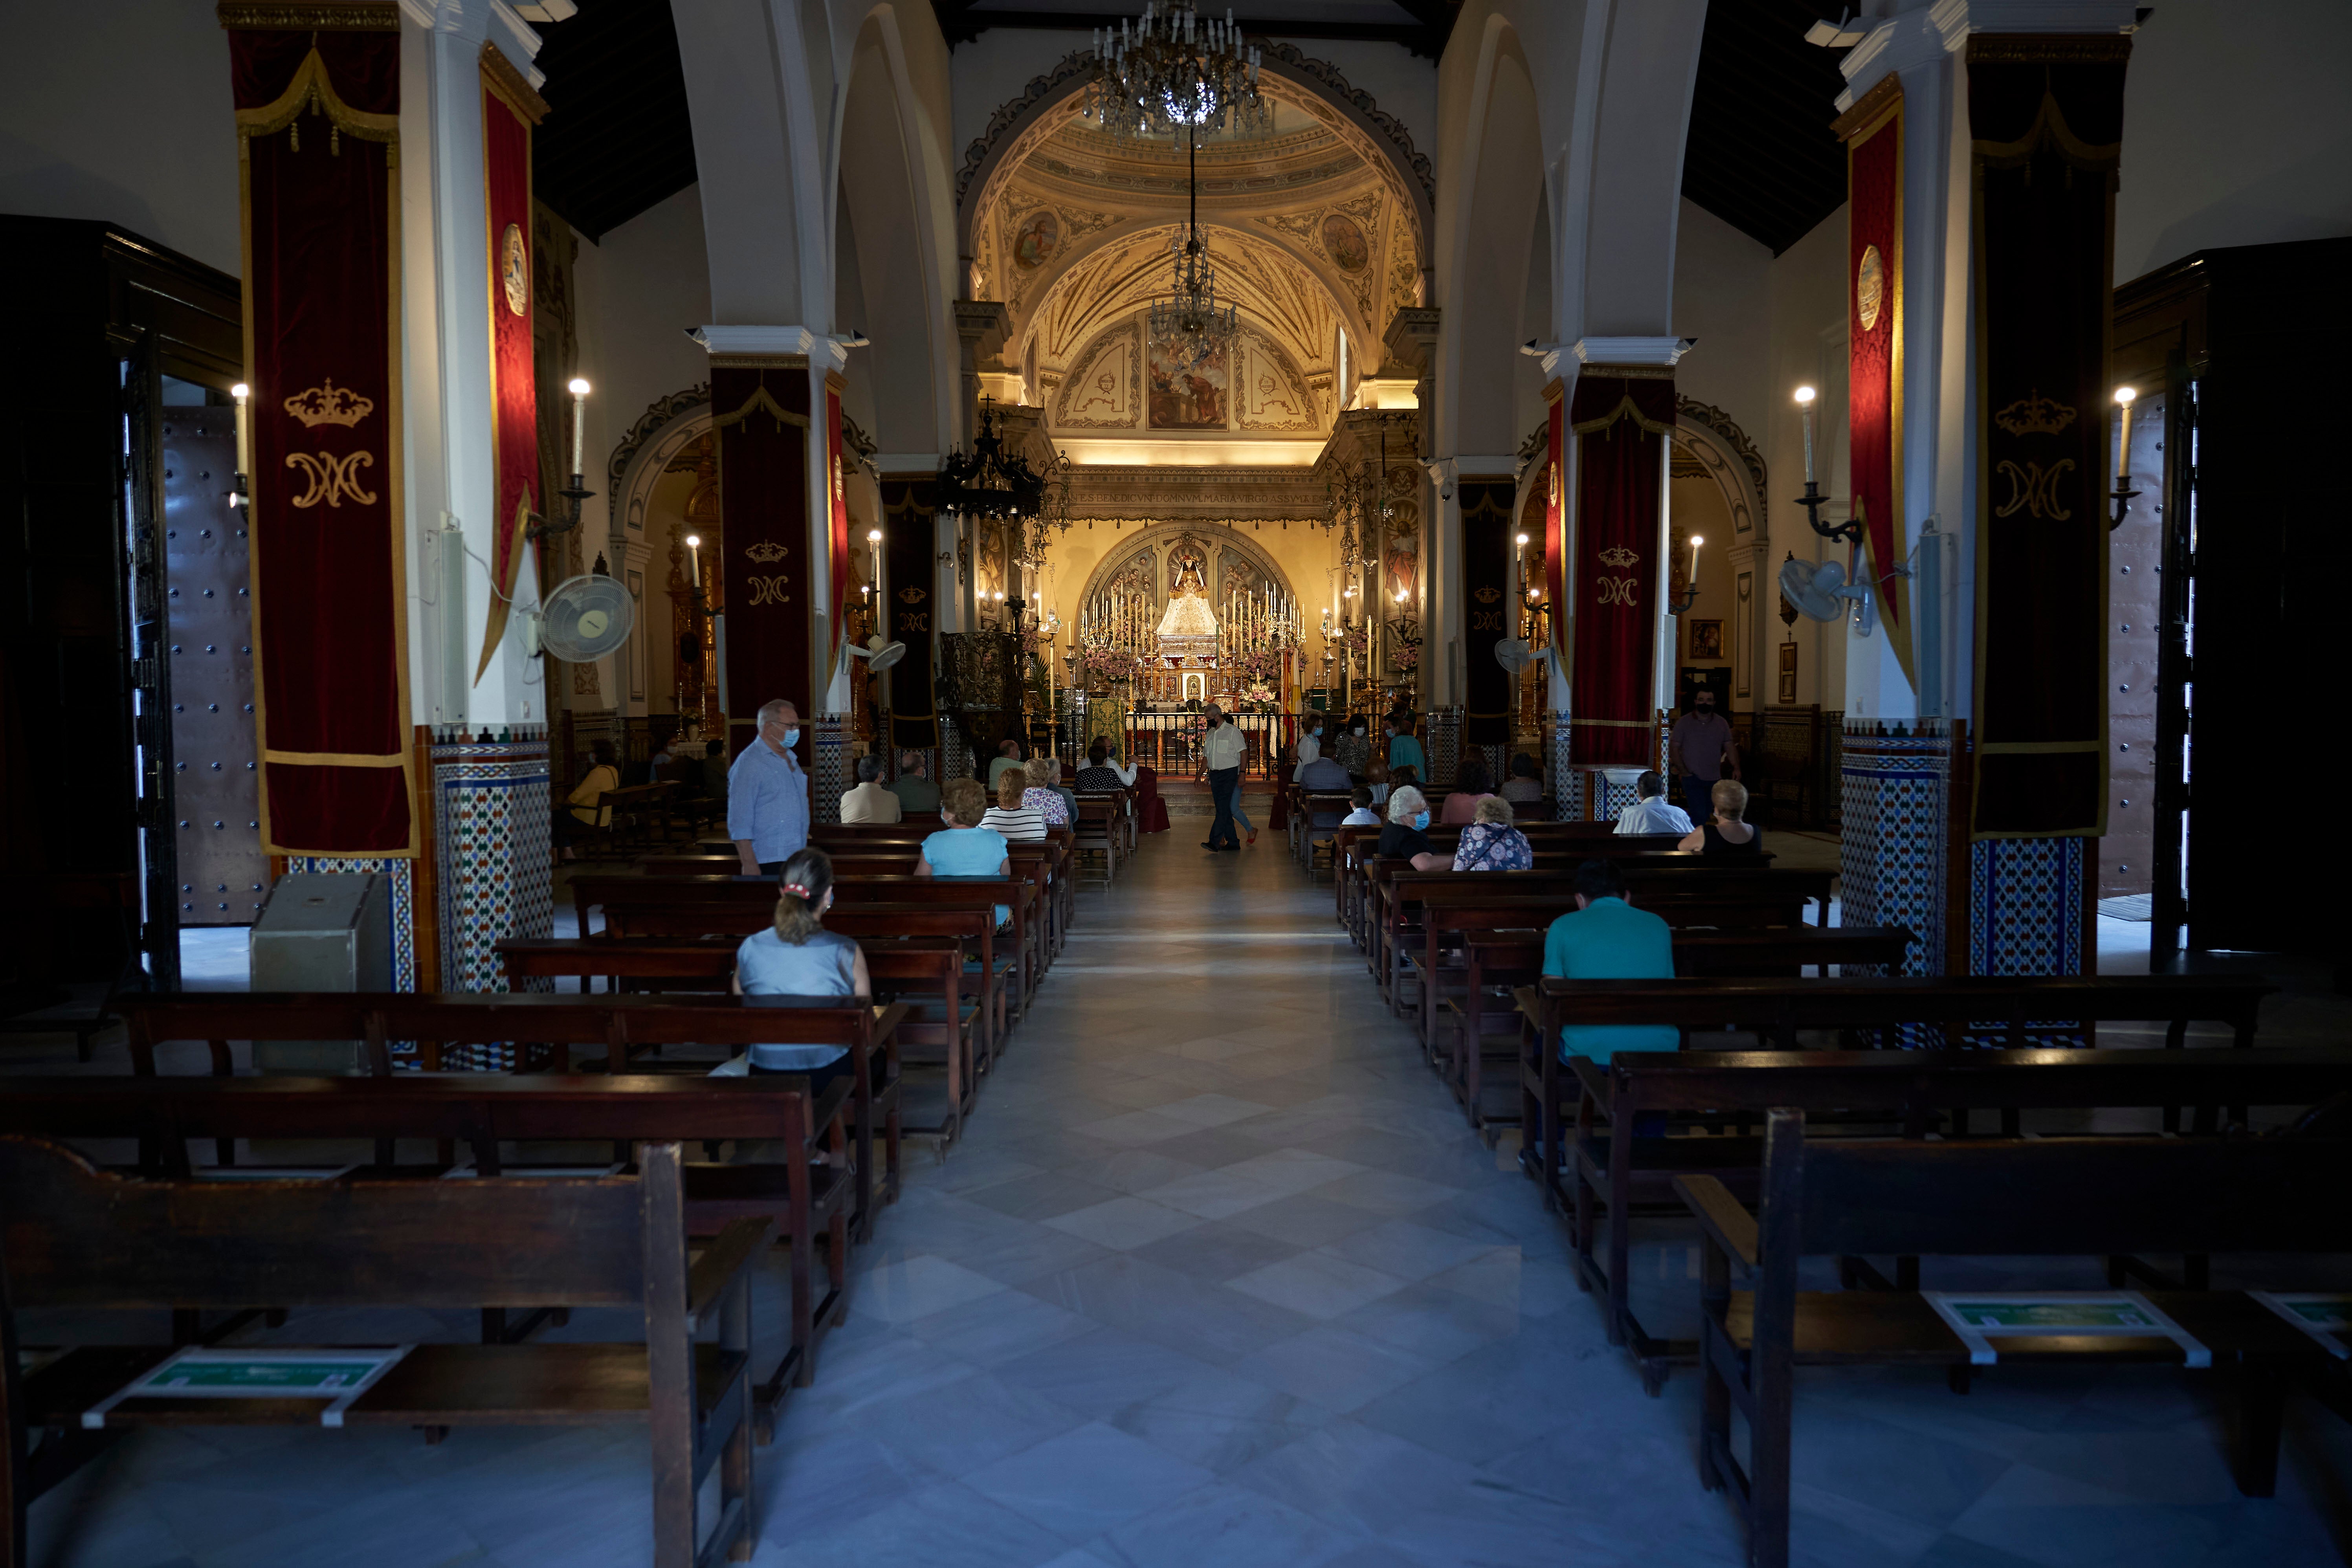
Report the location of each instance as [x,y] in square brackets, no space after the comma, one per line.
[215,787]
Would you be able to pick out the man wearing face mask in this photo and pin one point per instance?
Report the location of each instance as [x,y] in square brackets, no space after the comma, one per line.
[767,794]
[1699,750]
[1222,750]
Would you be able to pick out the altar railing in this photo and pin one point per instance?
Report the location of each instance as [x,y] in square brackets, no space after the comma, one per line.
[1171,743]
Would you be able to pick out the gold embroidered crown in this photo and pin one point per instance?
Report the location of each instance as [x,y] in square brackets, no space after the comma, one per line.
[329,405]
[1618,556]
[912,594]
[1488,594]
[766,550]
[2034,416]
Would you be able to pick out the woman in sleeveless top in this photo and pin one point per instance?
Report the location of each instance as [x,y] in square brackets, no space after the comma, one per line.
[798,957]
[1724,833]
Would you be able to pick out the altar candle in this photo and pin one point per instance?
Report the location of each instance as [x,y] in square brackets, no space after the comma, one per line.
[1805,403]
[2125,397]
[1696,542]
[243,393]
[694,559]
[579,390]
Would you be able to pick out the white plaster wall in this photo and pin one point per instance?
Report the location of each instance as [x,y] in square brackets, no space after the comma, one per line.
[1723,297]
[120,112]
[2237,129]
[994,68]
[1805,291]
[640,292]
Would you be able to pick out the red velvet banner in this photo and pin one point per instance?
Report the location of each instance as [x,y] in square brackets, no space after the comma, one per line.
[837,526]
[1556,520]
[318,111]
[1874,134]
[1620,421]
[764,498]
[908,504]
[514,393]
[1487,580]
[2047,116]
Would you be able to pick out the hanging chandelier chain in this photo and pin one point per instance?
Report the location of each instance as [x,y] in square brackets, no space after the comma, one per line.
[1173,71]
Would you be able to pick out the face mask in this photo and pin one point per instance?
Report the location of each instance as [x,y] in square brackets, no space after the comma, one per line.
[1420,821]
[946,820]
[793,737]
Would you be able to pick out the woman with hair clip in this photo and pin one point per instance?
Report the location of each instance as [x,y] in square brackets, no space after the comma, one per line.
[798,957]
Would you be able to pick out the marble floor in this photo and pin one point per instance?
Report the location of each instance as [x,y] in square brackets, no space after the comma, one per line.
[1218,1277]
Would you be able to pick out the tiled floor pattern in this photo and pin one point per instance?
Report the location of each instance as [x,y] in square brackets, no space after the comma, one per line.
[1219,1278]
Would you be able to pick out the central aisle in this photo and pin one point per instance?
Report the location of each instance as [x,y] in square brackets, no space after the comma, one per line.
[1219,1275]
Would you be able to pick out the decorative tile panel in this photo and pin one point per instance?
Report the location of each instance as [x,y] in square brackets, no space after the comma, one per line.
[1896,794]
[828,766]
[1567,783]
[1444,744]
[2025,911]
[490,812]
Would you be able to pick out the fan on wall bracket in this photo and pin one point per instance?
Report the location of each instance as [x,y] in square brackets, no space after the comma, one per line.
[1821,593]
[583,619]
[1514,654]
[878,655]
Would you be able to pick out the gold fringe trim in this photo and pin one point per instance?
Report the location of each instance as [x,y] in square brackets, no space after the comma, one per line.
[310,17]
[2049,127]
[1625,410]
[314,92]
[761,402]
[500,76]
[340,760]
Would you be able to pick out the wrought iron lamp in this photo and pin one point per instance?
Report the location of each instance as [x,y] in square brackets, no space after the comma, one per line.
[1812,500]
[2123,495]
[990,482]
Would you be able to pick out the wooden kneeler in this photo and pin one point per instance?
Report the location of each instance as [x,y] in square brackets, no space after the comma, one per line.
[77,1237]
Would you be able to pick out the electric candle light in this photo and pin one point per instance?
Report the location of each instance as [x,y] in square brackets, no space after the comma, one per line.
[244,459]
[694,559]
[2125,397]
[579,390]
[1696,542]
[1805,403]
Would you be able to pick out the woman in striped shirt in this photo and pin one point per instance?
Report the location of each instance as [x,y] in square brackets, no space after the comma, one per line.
[1009,817]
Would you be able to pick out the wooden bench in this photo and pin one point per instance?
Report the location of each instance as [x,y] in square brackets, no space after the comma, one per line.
[548,1026]
[2050,1197]
[1098,831]
[470,1118]
[1605,1170]
[1514,957]
[81,1239]
[925,972]
[643,808]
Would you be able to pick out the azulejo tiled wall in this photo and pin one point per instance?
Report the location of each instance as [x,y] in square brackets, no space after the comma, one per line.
[402,869]
[828,766]
[1895,792]
[496,869]
[1567,783]
[1444,744]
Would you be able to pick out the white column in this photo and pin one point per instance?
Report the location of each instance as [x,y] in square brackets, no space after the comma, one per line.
[449,431]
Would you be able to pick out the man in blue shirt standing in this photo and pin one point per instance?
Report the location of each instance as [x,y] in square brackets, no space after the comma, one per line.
[767,794]
[1609,939]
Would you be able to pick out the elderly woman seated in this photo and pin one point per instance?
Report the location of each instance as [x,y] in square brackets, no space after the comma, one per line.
[1489,842]
[1407,833]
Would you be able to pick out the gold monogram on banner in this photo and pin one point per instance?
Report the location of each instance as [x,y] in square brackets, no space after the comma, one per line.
[333,478]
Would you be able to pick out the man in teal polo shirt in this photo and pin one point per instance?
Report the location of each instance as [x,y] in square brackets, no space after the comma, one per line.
[1609,939]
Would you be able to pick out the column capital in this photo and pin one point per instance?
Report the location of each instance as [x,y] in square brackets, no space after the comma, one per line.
[983,325]
[1923,36]
[1413,335]
[483,21]
[737,343]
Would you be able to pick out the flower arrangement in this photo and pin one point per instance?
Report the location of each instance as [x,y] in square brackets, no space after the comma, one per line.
[1259,698]
[1404,655]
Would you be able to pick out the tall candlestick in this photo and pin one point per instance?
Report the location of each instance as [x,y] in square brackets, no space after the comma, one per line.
[2125,397]
[1696,542]
[1805,403]
[694,559]
[579,390]
[243,393]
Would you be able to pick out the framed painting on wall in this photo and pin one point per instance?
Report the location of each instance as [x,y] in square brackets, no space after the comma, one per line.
[1186,392]
[1706,640]
[1788,675]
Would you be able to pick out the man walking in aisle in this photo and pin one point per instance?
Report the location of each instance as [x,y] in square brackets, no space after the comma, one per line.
[1700,749]
[767,794]
[1222,750]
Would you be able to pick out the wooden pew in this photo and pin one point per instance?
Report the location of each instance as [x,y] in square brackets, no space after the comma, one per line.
[698,906]
[1682,886]
[622,1026]
[922,971]
[78,1237]
[1098,831]
[1606,1169]
[1514,957]
[476,1113]
[2052,1198]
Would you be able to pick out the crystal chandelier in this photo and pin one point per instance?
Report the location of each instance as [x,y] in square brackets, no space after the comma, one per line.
[1173,72]
[1187,320]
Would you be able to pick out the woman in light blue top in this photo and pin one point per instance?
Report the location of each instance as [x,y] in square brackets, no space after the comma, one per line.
[966,849]
[798,957]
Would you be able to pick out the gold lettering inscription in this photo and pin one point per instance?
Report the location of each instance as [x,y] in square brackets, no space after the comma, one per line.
[331,477]
[768,590]
[2034,491]
[1617,590]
